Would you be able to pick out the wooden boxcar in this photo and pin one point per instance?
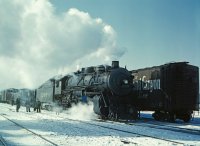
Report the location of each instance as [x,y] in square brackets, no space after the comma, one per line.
[171,90]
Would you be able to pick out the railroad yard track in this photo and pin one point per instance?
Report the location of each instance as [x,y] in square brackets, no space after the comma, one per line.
[164,126]
[32,132]
[153,124]
[119,128]
[125,131]
[145,119]
[2,141]
[150,123]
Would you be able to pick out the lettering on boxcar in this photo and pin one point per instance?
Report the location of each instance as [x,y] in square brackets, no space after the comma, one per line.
[144,84]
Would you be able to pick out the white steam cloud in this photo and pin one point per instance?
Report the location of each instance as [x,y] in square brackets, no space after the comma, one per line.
[82,112]
[36,43]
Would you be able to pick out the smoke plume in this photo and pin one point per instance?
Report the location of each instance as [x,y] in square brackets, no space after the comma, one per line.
[36,43]
[81,112]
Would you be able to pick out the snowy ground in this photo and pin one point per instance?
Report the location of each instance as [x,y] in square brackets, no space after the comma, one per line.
[47,128]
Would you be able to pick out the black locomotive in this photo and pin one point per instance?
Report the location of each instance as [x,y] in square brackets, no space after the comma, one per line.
[171,90]
[109,87]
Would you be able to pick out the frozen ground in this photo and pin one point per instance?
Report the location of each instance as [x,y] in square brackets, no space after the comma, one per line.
[47,128]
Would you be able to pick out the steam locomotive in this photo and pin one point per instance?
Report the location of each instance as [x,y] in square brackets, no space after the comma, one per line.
[108,87]
[171,90]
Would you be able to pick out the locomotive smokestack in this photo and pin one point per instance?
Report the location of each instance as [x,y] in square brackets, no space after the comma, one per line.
[115,64]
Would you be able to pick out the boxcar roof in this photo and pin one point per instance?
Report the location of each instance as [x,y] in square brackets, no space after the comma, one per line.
[157,67]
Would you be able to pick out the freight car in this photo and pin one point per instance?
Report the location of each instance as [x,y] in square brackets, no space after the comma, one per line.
[10,95]
[26,95]
[171,90]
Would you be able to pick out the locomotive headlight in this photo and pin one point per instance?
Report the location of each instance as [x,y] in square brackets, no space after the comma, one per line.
[125,82]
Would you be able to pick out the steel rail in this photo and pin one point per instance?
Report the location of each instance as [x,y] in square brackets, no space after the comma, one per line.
[29,130]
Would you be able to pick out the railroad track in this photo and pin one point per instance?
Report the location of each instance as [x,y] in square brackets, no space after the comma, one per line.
[167,127]
[38,135]
[125,131]
[120,130]
[176,123]
[172,127]
[162,126]
[2,141]
[131,132]
[3,115]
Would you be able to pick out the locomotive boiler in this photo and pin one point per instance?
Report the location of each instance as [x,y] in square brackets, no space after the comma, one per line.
[108,87]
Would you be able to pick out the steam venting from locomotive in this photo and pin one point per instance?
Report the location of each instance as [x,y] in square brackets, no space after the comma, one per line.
[105,86]
[81,111]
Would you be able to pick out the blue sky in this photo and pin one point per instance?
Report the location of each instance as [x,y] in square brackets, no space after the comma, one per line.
[153,31]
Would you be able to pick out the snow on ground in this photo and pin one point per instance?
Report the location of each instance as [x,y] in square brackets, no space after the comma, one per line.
[63,131]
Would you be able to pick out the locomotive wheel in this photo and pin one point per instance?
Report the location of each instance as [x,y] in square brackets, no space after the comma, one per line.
[187,117]
[134,113]
[172,117]
[112,116]
[104,111]
[156,116]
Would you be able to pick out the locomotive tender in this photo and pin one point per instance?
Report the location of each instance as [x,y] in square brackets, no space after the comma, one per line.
[52,91]
[171,90]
